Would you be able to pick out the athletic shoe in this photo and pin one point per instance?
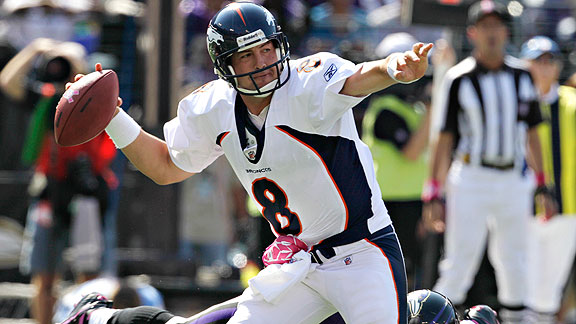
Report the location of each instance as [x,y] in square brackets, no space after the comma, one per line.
[81,313]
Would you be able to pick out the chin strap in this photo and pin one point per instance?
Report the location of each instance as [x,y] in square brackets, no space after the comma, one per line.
[255,93]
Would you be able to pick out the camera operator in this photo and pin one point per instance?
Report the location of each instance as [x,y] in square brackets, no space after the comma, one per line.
[17,76]
[70,185]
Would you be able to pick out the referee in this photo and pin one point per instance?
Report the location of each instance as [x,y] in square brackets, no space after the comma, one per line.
[489,109]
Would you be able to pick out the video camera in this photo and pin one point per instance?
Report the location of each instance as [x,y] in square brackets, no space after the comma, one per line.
[49,72]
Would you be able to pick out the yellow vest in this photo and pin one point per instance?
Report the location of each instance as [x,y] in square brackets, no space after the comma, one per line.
[565,154]
[400,179]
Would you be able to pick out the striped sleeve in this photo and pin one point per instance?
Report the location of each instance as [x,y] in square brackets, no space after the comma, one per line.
[451,106]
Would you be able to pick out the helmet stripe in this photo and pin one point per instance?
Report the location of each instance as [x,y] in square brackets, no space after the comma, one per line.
[440,314]
[241,16]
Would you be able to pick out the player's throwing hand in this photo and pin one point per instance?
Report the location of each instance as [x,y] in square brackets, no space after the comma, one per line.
[98,68]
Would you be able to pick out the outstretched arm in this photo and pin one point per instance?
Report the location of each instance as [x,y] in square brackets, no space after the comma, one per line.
[375,76]
[150,155]
[147,152]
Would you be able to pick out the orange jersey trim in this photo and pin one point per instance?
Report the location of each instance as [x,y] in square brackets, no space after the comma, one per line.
[221,138]
[327,171]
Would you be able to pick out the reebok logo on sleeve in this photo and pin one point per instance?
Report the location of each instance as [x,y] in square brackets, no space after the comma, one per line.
[330,72]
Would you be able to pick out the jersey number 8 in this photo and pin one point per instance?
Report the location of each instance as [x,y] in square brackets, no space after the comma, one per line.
[275,207]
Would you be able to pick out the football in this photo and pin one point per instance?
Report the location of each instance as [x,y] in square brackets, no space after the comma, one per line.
[86,108]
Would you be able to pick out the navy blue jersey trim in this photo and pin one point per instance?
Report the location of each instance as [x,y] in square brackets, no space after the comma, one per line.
[390,247]
[243,124]
[343,162]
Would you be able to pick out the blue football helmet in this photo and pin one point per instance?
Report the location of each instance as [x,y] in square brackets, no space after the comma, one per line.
[429,307]
[240,26]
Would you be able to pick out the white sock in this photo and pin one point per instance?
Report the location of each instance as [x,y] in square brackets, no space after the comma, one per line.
[101,315]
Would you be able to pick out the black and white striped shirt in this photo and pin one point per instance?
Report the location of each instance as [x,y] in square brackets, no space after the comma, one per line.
[489,112]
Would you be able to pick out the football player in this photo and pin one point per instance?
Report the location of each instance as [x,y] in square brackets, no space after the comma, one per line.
[287,129]
[425,307]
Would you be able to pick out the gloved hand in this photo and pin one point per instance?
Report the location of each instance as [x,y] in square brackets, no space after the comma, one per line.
[282,250]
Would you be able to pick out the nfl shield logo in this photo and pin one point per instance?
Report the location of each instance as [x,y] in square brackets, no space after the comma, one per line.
[348,260]
[250,152]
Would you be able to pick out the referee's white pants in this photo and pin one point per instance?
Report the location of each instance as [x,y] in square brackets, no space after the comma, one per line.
[481,204]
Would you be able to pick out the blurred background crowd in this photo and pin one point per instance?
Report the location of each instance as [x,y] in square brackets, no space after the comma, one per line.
[195,243]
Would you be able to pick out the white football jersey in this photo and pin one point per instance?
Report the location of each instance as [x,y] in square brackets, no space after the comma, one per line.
[309,173]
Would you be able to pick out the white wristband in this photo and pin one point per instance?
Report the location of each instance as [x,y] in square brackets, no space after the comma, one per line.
[392,68]
[122,129]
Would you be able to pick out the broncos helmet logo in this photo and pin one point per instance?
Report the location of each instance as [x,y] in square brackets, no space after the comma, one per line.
[214,37]
[270,19]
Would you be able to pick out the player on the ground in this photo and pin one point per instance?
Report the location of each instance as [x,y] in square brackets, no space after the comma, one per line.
[425,307]
[288,131]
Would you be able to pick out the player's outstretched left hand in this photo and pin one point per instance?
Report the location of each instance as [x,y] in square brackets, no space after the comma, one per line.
[412,65]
